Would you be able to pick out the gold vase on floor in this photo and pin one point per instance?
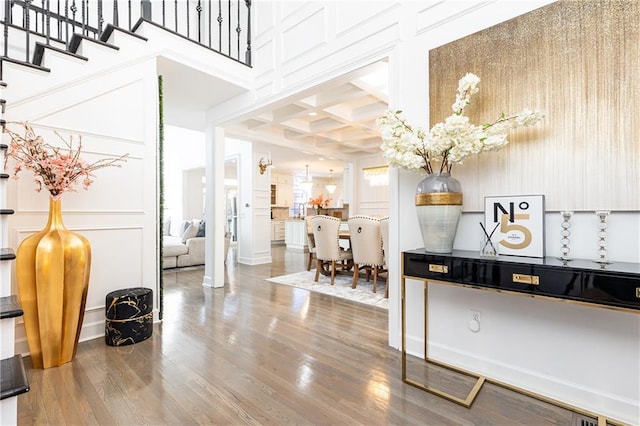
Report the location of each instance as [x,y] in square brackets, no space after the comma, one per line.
[52,269]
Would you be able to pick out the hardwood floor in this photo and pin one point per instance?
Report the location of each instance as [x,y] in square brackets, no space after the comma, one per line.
[255,352]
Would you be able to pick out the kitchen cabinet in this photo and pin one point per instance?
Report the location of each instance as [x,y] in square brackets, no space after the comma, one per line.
[296,235]
[277,230]
[282,188]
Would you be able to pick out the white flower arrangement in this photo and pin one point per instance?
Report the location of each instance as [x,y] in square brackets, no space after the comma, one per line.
[451,141]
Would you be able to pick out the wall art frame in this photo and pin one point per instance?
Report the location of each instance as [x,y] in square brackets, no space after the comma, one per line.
[518,221]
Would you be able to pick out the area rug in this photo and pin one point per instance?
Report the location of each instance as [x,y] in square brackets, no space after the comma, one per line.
[363,293]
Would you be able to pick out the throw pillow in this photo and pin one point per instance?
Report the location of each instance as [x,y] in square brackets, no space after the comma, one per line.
[166,226]
[185,226]
[191,232]
[200,232]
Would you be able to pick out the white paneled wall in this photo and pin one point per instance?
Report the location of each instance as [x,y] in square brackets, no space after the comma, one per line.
[339,37]
[121,204]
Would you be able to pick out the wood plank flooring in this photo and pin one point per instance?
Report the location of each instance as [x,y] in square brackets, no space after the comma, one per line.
[256,352]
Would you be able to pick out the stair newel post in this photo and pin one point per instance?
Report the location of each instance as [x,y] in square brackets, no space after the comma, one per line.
[247,59]
[27,26]
[145,9]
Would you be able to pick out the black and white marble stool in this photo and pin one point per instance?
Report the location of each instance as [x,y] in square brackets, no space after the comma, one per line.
[129,316]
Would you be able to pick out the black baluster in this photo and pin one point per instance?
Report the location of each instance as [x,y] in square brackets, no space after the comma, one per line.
[66,21]
[59,22]
[27,12]
[209,11]
[187,19]
[175,13]
[116,17]
[129,2]
[238,30]
[248,54]
[84,11]
[74,9]
[199,10]
[48,34]
[42,17]
[219,25]
[7,12]
[87,15]
[163,14]
[100,19]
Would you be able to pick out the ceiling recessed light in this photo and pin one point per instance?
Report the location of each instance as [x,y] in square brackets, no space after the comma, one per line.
[313,113]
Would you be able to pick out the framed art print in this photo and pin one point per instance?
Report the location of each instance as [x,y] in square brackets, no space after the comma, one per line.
[517,223]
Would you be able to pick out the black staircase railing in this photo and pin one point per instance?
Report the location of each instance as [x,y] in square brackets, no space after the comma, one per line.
[220,25]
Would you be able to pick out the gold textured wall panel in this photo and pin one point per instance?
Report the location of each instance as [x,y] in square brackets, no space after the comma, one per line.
[578,60]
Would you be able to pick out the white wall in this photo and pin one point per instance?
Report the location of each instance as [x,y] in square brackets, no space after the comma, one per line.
[369,199]
[254,204]
[183,150]
[121,204]
[534,344]
[113,100]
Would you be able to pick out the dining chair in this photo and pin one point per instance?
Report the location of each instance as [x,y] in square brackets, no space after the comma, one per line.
[384,230]
[311,242]
[366,246]
[325,233]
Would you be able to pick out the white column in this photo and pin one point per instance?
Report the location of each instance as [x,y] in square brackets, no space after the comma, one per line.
[214,207]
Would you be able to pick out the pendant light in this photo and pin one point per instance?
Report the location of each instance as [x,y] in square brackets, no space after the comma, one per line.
[307,184]
[331,187]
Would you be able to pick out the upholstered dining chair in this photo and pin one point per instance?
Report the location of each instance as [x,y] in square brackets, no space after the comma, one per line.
[311,242]
[384,230]
[325,233]
[366,246]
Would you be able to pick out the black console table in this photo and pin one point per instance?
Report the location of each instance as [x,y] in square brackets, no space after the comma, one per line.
[614,285]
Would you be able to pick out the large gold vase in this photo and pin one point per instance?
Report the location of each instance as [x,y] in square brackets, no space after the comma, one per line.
[52,268]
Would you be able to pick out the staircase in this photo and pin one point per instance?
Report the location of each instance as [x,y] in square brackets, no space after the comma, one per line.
[13,378]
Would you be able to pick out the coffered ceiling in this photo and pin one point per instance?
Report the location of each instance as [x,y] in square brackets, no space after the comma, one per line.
[322,127]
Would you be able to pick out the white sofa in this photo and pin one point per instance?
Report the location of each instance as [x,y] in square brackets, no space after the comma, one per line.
[187,249]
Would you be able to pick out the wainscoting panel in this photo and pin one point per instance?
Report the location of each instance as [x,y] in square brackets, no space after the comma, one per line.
[91,201]
[116,256]
[353,15]
[435,14]
[297,39]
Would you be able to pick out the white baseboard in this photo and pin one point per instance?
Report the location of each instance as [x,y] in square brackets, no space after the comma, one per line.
[612,406]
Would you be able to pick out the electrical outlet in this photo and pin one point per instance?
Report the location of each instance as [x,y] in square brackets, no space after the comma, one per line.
[474,315]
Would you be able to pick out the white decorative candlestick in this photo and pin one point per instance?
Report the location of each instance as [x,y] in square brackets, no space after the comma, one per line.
[565,233]
[602,236]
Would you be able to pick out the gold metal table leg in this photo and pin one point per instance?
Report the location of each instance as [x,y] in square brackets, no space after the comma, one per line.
[466,402]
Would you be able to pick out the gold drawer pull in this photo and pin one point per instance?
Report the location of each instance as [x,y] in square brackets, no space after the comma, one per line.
[638,292]
[526,279]
[438,268]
